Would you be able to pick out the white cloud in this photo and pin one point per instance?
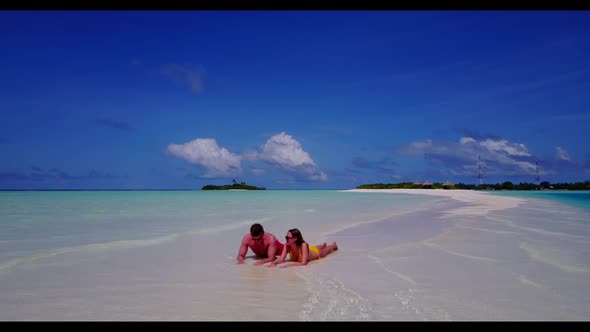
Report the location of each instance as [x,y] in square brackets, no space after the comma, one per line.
[217,161]
[286,152]
[280,150]
[502,156]
[315,175]
[420,145]
[562,153]
[503,145]
[503,152]
[467,140]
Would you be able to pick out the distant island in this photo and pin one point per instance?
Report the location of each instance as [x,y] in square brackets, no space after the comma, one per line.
[234,186]
[498,186]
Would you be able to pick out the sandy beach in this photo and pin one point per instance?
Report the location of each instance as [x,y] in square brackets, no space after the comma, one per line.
[480,203]
[404,255]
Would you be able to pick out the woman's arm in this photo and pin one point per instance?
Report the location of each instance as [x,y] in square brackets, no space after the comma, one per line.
[282,258]
[304,255]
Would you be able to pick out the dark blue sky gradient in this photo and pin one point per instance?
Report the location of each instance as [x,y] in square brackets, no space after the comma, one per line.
[291,99]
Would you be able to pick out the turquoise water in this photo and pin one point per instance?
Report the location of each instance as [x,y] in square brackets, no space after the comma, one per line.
[36,224]
[575,198]
[171,255]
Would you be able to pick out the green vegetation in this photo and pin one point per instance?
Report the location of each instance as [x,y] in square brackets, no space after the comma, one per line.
[498,186]
[402,185]
[234,186]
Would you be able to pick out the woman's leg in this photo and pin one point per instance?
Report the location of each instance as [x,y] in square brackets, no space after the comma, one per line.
[326,250]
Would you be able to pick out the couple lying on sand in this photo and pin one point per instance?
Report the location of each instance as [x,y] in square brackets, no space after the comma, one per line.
[266,246]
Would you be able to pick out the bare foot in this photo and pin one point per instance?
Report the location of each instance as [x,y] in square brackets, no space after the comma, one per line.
[335,246]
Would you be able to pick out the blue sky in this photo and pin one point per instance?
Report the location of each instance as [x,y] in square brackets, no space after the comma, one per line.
[291,99]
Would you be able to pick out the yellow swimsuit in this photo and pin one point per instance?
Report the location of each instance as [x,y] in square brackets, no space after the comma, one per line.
[312,248]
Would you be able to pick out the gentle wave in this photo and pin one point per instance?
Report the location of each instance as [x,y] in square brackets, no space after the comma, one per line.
[121,244]
[94,247]
[397,274]
[554,258]
[330,300]
[455,253]
[228,227]
[381,218]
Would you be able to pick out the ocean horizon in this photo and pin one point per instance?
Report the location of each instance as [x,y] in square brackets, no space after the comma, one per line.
[171,255]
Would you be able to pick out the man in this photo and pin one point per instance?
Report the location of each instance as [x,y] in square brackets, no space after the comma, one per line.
[264,245]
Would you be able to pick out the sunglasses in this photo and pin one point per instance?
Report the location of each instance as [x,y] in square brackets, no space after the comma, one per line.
[288,237]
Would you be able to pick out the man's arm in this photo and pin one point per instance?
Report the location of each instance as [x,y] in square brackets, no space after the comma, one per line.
[272,252]
[243,250]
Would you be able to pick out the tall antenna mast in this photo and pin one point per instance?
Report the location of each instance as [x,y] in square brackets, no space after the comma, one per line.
[479,174]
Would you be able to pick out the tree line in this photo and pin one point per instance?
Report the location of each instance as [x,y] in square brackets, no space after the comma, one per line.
[507,185]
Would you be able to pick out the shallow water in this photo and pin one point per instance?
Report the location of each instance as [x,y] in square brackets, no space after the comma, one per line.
[172,256]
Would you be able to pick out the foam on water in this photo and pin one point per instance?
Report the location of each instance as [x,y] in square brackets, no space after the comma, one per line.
[330,300]
[7,265]
[507,265]
[556,257]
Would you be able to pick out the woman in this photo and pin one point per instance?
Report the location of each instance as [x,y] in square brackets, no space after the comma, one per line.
[300,252]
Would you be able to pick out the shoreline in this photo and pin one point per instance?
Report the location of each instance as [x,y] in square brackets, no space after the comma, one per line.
[400,258]
[480,203]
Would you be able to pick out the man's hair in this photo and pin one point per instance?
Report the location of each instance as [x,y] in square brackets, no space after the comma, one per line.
[256,229]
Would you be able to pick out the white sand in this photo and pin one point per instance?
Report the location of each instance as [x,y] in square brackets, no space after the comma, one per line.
[397,261]
[481,203]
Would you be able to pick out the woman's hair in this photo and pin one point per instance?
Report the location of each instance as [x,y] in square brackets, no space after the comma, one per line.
[296,233]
